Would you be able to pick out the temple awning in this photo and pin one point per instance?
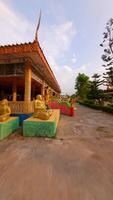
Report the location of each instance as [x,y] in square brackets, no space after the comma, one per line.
[33,52]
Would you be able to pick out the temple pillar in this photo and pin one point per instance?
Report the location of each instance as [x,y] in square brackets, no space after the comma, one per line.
[28,73]
[14,90]
[33,91]
[50,94]
[43,89]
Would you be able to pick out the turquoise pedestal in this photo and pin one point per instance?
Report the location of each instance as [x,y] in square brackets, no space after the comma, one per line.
[8,127]
[42,128]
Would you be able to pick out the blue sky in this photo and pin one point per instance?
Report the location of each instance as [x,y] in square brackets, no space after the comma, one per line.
[70,33]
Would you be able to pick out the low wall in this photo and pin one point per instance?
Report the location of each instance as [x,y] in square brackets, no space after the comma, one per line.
[21,107]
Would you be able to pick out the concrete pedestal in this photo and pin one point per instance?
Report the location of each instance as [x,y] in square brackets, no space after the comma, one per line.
[8,127]
[43,128]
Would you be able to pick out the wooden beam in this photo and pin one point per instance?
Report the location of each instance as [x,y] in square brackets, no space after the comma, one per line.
[43,90]
[36,78]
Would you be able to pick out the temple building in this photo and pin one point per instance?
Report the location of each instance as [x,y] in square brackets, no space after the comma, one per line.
[24,73]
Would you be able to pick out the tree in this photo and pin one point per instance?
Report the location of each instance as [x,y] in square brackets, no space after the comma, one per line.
[94,91]
[82,85]
[107,57]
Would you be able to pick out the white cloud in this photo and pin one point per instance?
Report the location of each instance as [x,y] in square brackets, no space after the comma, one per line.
[70,73]
[84,69]
[14,27]
[90,68]
[74,59]
[68,69]
[66,76]
[56,41]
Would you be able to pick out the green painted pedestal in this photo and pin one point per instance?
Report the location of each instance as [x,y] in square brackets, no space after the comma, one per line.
[43,128]
[8,127]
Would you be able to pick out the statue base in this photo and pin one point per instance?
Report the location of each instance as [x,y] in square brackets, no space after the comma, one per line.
[8,127]
[42,128]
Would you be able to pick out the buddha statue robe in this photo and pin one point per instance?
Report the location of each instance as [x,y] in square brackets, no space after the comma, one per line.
[40,110]
[5,110]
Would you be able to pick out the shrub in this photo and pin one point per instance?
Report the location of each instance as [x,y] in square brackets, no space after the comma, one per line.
[89,101]
[108,109]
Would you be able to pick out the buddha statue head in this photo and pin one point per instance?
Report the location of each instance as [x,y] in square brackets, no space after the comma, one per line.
[5,110]
[39,97]
[4,102]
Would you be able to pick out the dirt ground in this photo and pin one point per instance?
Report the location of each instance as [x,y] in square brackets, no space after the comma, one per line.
[77,165]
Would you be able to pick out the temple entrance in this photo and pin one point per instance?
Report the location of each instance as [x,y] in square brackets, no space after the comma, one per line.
[35,89]
[5,93]
[10,86]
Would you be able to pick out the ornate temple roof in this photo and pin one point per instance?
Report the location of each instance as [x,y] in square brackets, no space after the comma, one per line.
[32,51]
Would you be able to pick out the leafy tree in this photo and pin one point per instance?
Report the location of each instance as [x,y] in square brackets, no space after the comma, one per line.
[107,57]
[94,91]
[82,85]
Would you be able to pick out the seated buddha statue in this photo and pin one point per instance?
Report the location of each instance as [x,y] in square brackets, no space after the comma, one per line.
[47,96]
[40,110]
[5,110]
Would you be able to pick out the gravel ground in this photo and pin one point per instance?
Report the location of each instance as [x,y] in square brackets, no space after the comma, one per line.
[77,165]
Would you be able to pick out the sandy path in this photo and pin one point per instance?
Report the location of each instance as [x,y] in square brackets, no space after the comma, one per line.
[78,165]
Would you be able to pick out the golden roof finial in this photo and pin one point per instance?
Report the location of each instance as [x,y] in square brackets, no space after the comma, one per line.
[38,26]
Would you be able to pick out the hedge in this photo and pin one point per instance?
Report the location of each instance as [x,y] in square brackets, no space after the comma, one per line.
[108,109]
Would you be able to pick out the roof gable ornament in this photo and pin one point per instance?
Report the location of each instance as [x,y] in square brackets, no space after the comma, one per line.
[38,26]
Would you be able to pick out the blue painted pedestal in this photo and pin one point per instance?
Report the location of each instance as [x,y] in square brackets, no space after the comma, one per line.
[22,117]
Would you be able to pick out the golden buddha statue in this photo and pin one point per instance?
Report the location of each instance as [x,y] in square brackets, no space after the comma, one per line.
[5,110]
[47,96]
[40,110]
